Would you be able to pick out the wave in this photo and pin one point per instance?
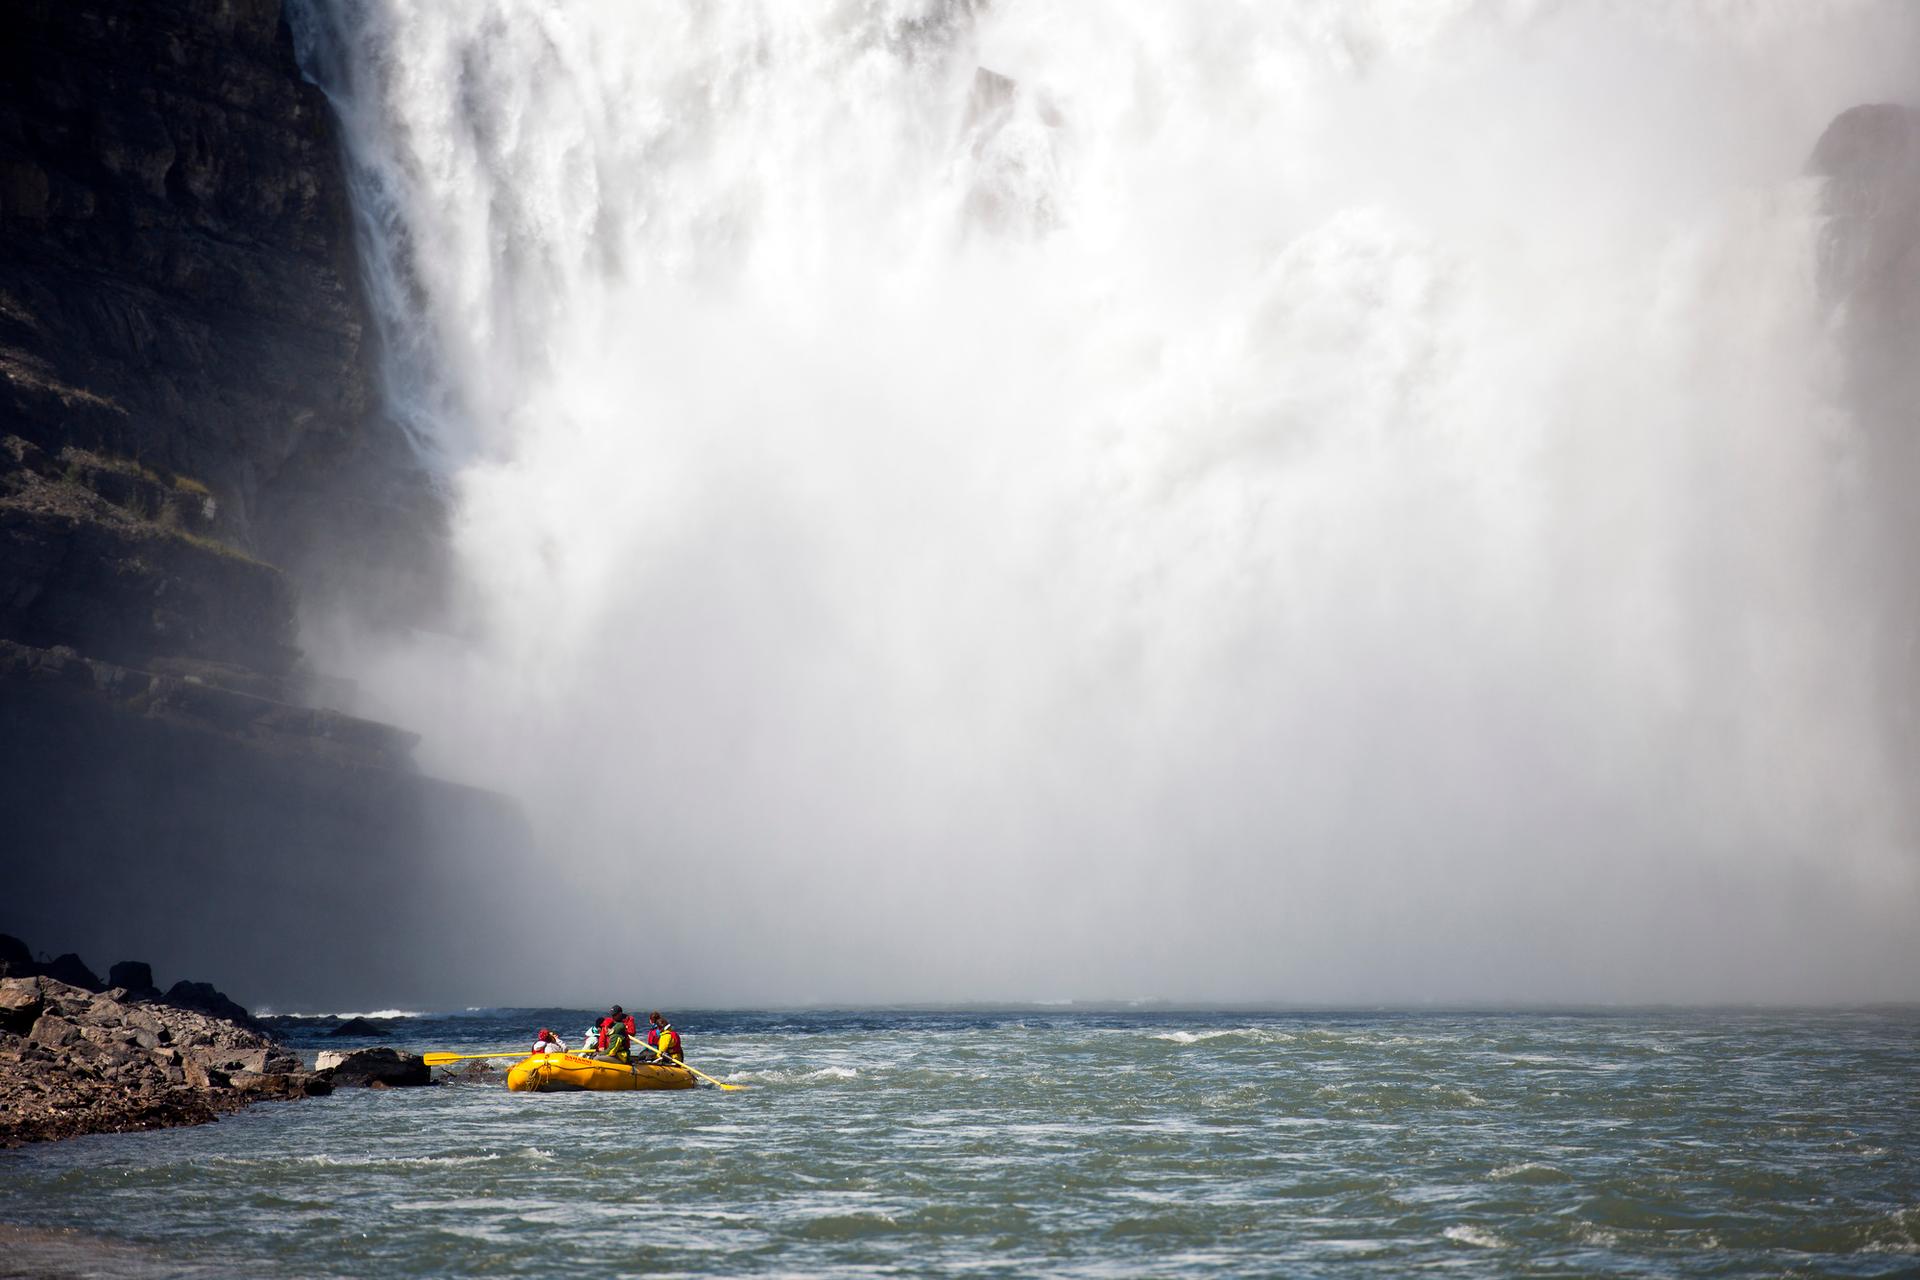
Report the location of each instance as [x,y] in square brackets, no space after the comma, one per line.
[326,1160]
[373,1014]
[1251,1035]
[1529,1172]
[1474,1236]
[796,1076]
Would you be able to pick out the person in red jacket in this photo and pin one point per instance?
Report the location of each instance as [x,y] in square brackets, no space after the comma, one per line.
[614,1015]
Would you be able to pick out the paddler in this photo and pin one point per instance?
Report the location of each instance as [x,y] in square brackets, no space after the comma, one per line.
[663,1039]
[616,1017]
[547,1042]
[619,1044]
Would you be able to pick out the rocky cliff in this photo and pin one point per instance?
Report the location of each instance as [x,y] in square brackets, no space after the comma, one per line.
[192,454]
[178,289]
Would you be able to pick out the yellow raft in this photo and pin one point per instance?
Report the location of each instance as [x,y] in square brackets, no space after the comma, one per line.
[562,1072]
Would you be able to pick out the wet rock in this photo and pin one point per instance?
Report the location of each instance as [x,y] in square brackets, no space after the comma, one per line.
[282,1084]
[379,1067]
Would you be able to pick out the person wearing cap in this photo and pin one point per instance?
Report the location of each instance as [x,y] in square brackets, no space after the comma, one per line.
[547,1042]
[616,1017]
[619,1042]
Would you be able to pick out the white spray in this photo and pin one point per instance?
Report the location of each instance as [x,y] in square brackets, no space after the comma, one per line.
[1317,501]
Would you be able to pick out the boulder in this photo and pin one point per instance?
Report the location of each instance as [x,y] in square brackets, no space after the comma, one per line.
[233,1060]
[54,1032]
[201,997]
[20,1005]
[281,1084]
[377,1068]
[16,961]
[73,971]
[201,1076]
[136,976]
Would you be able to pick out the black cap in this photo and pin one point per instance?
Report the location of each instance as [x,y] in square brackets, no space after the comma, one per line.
[616,1011]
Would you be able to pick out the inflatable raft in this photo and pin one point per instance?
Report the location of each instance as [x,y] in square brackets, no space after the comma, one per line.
[561,1072]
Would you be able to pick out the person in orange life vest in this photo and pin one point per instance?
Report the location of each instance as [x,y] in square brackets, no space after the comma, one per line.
[547,1042]
[615,1014]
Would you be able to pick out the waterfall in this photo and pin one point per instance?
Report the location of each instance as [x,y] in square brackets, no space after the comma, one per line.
[1299,501]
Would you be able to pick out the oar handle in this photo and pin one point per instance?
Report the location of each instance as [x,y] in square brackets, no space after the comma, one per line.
[703,1075]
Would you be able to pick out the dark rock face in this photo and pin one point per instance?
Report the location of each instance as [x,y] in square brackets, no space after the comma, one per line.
[73,971]
[294,847]
[203,998]
[379,1068]
[179,297]
[135,977]
[74,1062]
[191,452]
[177,276]
[78,570]
[15,960]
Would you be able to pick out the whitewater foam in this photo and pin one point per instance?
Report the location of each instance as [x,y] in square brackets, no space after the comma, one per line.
[1169,498]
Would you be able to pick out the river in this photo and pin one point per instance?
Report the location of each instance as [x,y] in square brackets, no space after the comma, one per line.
[1063,1141]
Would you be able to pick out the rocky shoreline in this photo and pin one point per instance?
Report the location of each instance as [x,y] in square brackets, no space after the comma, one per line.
[76,1061]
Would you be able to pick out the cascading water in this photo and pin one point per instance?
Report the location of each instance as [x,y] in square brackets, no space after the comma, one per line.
[1315,501]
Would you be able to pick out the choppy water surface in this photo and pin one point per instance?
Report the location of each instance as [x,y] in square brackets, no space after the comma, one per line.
[1059,1143]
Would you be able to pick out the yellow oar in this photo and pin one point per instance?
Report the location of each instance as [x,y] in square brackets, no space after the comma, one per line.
[703,1075]
[442,1059]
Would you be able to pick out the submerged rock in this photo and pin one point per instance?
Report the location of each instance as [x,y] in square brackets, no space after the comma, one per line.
[361,1027]
[378,1068]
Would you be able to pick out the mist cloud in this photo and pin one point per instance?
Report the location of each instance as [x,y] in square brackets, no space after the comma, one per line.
[1331,503]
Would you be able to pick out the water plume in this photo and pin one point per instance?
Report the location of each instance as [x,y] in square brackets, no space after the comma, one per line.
[1314,502]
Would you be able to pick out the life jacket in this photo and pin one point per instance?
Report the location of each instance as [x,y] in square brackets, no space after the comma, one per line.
[621,1044]
[670,1046]
[606,1025]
